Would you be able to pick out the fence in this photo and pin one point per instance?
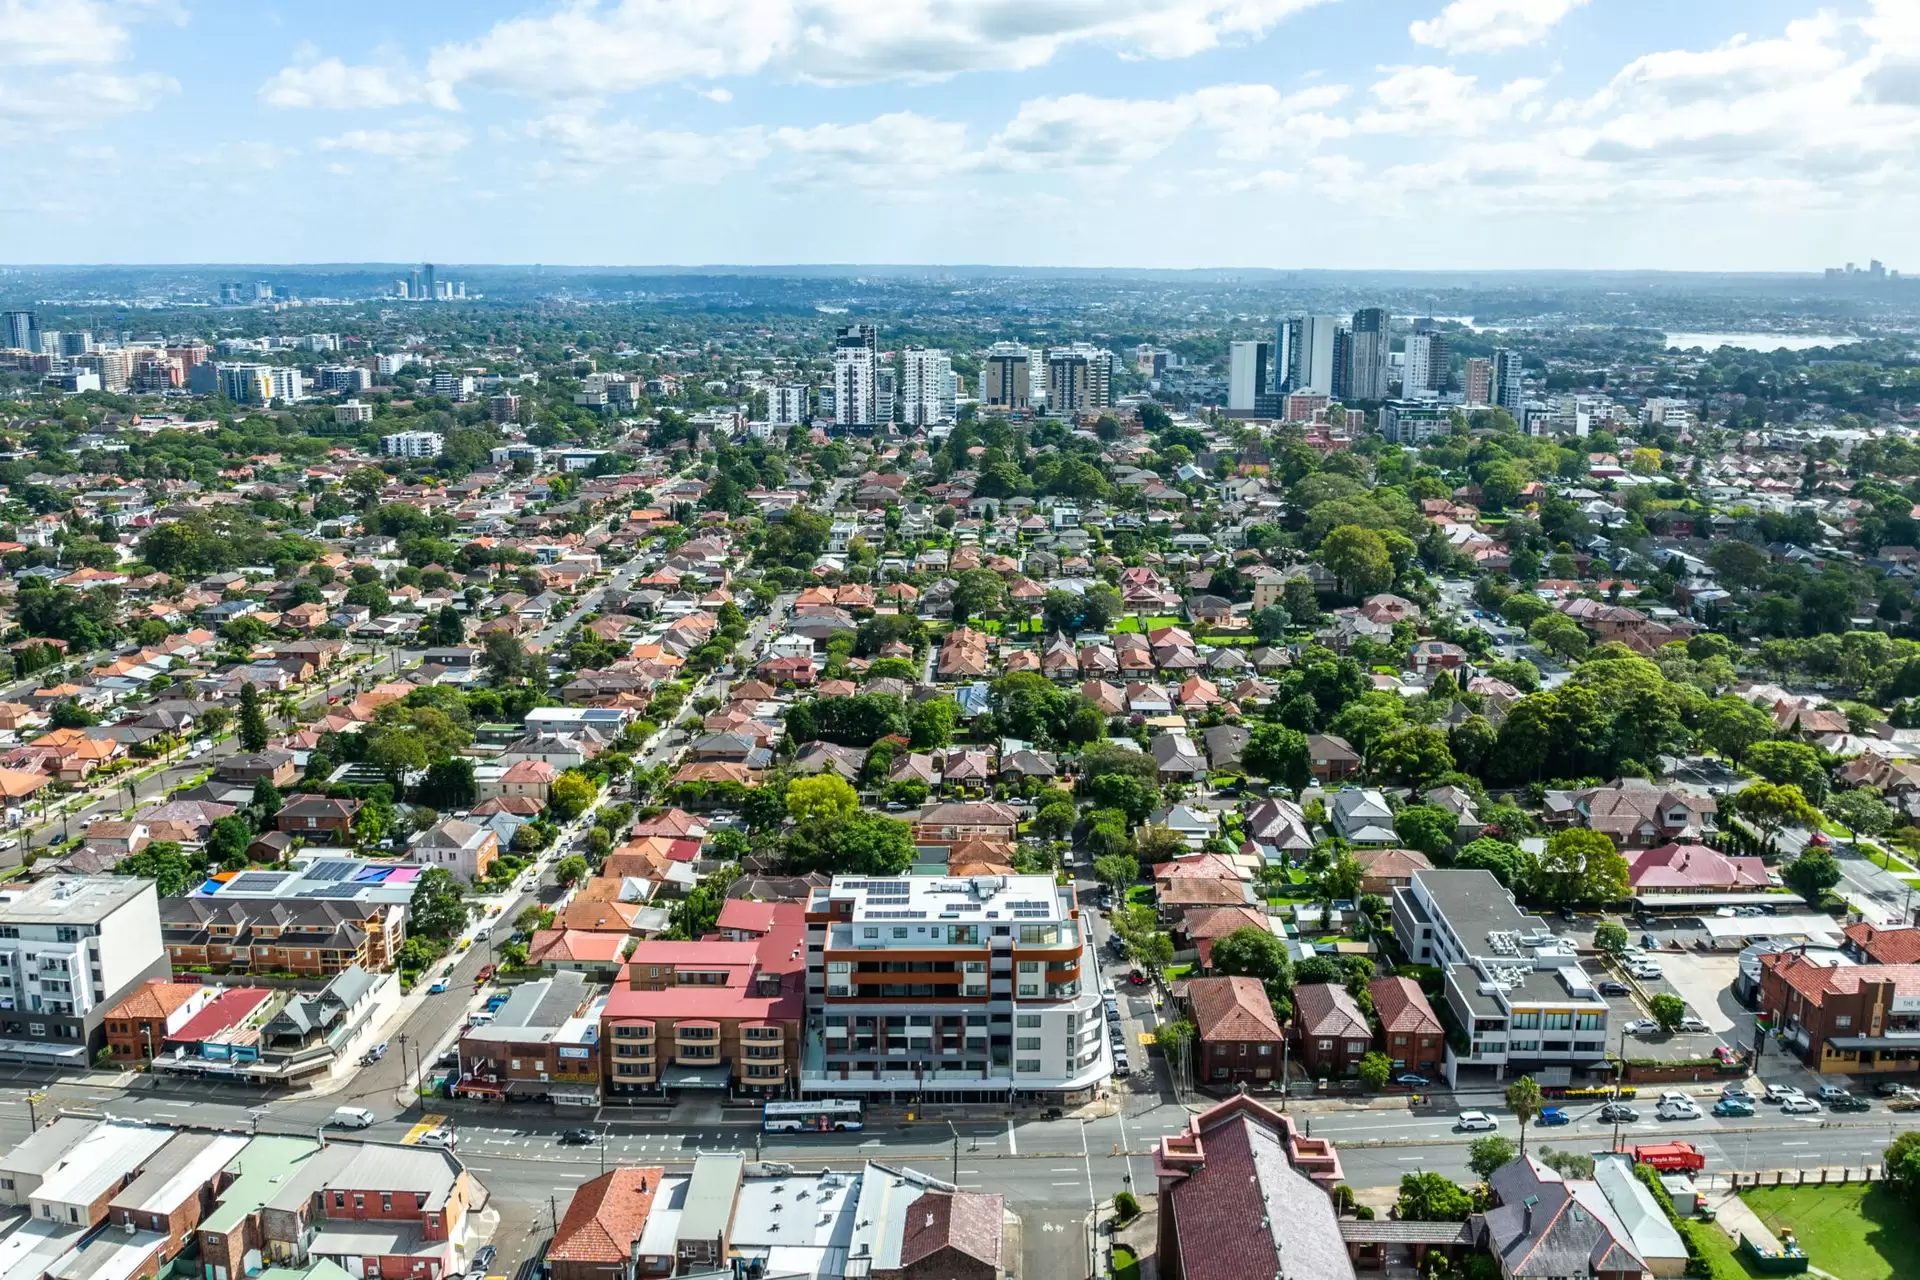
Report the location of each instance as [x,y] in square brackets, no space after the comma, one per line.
[1834,1175]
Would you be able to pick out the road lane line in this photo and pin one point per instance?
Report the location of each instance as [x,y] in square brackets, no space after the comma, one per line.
[1013,1143]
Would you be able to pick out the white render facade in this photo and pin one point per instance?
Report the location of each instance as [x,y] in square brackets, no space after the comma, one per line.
[928,389]
[954,988]
[413,444]
[71,947]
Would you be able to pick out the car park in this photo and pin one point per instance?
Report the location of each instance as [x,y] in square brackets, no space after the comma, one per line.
[1799,1105]
[1475,1122]
[1733,1107]
[1618,1113]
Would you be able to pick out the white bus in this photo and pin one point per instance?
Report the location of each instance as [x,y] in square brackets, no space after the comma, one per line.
[824,1116]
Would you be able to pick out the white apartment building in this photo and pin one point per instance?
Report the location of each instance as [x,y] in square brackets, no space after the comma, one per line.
[1527,1005]
[856,379]
[787,404]
[353,411]
[412,444]
[390,363]
[343,377]
[72,947]
[1414,421]
[951,989]
[928,388]
[1425,372]
[454,386]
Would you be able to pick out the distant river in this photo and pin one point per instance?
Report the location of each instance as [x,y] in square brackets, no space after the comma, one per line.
[1758,341]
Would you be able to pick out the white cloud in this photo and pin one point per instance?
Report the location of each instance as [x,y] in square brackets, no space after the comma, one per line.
[332,84]
[901,150]
[79,100]
[56,32]
[590,48]
[416,143]
[585,143]
[1248,121]
[716,94]
[1490,26]
[1430,100]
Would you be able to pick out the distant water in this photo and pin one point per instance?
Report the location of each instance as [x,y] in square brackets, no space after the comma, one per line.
[1758,341]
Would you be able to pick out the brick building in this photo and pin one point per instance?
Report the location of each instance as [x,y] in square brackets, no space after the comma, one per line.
[1240,1041]
[1410,1031]
[1855,1019]
[138,1026]
[1330,1032]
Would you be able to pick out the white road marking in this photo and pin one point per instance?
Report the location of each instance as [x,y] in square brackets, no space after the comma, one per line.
[1013,1143]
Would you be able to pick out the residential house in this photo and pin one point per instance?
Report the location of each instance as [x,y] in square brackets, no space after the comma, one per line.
[1545,1227]
[1331,759]
[467,850]
[1330,1032]
[1276,829]
[1240,1041]
[318,819]
[1410,1031]
[1385,870]
[1362,817]
[137,1028]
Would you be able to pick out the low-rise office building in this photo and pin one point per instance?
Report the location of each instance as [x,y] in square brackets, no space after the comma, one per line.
[544,1042]
[1520,993]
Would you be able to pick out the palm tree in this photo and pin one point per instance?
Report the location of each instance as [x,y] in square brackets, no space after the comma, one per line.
[1523,1099]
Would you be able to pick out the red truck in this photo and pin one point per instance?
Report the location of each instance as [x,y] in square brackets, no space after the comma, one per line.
[1670,1155]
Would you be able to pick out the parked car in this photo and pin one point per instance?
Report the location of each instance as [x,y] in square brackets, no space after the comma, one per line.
[1737,1092]
[1614,987]
[1618,1113]
[484,1256]
[1677,1106]
[376,1052]
[1893,1089]
[1642,1027]
[1551,1116]
[1828,1092]
[1413,1080]
[1778,1093]
[1691,1023]
[1849,1102]
[1733,1107]
[1799,1105]
[1475,1122]
[1647,972]
[1136,978]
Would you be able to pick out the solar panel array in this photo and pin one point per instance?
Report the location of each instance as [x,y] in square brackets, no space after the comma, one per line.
[331,870]
[896,915]
[1030,909]
[256,882]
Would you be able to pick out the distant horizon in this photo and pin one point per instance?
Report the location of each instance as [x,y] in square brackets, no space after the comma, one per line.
[836,269]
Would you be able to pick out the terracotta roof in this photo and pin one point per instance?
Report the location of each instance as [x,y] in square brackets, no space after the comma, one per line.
[1899,945]
[1228,1009]
[1817,981]
[1392,864]
[1323,1009]
[1402,1006]
[606,1216]
[965,1221]
[587,946]
[155,1000]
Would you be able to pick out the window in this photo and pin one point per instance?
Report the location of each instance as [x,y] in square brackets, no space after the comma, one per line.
[339,1199]
[899,931]
[1560,1021]
[1591,1022]
[1027,1044]
[1526,1021]
[1027,1066]
[1031,1020]
[1842,1021]
[869,932]
[1326,1046]
[1266,1051]
[1356,1046]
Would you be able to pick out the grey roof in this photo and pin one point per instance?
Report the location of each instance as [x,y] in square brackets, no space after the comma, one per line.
[710,1194]
[47,1146]
[1474,905]
[543,1005]
[1572,1232]
[70,899]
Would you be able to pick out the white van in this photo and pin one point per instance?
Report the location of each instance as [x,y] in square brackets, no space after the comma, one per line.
[350,1118]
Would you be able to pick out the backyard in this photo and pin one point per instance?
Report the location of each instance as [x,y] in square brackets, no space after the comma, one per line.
[1862,1231]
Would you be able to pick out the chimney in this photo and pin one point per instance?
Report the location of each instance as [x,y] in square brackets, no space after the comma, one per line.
[1528,1205]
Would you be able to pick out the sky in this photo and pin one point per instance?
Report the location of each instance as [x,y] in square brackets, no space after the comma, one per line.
[1332,134]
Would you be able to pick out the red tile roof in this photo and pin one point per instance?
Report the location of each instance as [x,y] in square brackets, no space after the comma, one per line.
[228,1009]
[606,1216]
[1323,1009]
[1402,1006]
[1817,981]
[1232,1009]
[1899,945]
[965,1221]
[155,1000]
[1694,867]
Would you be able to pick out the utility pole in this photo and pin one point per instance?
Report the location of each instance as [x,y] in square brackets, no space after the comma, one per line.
[956,1152]
[403,1059]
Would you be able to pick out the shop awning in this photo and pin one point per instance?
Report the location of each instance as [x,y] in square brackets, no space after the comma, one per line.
[714,1077]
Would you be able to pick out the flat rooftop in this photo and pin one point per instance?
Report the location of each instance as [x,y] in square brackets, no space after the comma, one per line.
[947,899]
[1482,913]
[69,899]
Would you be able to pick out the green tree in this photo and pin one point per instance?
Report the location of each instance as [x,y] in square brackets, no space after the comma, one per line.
[570,795]
[1790,763]
[1770,807]
[1903,1165]
[439,907]
[931,723]
[1524,1100]
[1732,726]
[822,800]
[1667,1010]
[1358,559]
[163,862]
[1494,1151]
[1581,866]
[1559,635]
[446,628]
[1510,864]
[1861,812]
[1415,755]
[1256,953]
[1117,870]
[1432,1197]
[253,720]
[1055,819]
[977,593]
[1611,937]
[1428,828]
[266,800]
[1812,874]
[1376,1068]
[227,842]
[1278,754]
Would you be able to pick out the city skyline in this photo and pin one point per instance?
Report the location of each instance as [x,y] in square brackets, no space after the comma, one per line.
[1444,134]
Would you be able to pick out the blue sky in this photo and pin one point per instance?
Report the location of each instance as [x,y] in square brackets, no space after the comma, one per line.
[1684,134]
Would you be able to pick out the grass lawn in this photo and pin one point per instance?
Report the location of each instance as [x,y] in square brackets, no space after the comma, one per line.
[1177,971]
[1716,1250]
[1125,1265]
[1861,1231]
[1140,893]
